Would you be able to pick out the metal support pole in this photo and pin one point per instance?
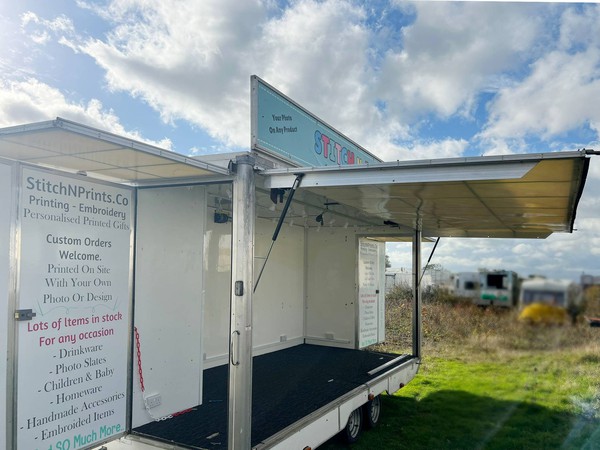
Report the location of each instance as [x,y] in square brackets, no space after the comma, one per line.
[242,276]
[417,332]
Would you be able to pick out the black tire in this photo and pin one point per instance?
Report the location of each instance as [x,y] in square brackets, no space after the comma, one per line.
[372,412]
[351,433]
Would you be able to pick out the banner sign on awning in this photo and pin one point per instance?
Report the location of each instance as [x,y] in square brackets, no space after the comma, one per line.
[282,127]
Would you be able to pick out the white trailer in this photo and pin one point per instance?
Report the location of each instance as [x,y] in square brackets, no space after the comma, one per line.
[134,315]
[488,287]
[466,284]
[498,288]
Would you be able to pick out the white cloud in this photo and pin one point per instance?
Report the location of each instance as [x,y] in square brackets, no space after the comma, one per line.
[453,51]
[317,52]
[522,249]
[191,62]
[447,148]
[37,28]
[557,95]
[197,69]
[577,26]
[554,99]
[194,62]
[32,101]
[498,146]
[61,23]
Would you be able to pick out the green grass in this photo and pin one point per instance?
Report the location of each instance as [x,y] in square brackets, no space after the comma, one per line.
[496,384]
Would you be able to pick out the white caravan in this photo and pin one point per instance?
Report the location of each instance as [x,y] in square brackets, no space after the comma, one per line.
[560,293]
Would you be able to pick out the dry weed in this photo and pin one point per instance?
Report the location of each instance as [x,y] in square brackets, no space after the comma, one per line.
[454,326]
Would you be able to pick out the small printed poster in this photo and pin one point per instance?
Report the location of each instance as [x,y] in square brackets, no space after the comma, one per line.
[368,293]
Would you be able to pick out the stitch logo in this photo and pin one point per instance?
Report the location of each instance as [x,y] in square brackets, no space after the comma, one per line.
[333,151]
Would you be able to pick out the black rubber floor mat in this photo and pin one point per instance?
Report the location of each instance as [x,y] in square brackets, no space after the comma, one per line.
[287,385]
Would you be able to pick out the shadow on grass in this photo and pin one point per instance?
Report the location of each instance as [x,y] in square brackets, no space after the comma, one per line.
[460,420]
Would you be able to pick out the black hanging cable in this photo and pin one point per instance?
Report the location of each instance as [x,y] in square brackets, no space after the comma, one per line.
[280,223]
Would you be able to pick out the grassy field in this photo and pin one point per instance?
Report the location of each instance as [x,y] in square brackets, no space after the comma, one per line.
[488,381]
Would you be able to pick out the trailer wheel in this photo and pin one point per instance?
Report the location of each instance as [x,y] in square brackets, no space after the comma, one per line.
[372,412]
[354,426]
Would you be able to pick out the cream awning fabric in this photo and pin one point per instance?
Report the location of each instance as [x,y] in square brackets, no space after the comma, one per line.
[512,196]
[66,145]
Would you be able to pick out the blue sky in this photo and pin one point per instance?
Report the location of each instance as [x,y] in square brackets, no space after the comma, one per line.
[405,80]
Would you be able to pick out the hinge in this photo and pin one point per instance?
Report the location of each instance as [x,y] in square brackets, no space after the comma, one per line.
[24,314]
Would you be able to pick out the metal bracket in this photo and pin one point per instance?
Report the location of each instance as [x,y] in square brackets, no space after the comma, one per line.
[24,314]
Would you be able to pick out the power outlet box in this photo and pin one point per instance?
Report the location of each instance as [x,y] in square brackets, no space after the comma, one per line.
[152,401]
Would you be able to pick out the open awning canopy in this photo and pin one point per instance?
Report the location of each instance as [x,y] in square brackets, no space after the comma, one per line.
[510,196]
[66,145]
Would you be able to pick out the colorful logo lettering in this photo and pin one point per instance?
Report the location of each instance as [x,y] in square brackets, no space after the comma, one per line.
[333,151]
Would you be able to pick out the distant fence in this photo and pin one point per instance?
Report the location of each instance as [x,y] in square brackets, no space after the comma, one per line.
[433,277]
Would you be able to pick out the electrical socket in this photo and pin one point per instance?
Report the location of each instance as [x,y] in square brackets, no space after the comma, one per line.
[152,401]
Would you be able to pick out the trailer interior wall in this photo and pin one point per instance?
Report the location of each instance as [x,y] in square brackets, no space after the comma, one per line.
[5,219]
[183,276]
[168,298]
[278,302]
[217,272]
[331,287]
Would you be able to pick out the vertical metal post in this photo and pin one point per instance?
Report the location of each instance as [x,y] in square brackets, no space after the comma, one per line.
[242,279]
[13,287]
[417,332]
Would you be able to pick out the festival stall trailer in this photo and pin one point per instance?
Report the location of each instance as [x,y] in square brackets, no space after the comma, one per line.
[159,301]
[119,294]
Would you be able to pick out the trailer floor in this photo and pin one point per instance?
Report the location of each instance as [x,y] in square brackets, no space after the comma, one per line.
[287,385]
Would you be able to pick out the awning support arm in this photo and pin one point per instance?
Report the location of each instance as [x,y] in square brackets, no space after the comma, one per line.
[288,202]
[429,259]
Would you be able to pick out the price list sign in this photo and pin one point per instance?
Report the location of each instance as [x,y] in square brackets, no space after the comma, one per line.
[75,276]
[368,296]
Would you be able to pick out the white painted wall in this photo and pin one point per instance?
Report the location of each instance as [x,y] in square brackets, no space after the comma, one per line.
[278,302]
[278,305]
[217,273]
[169,294]
[331,287]
[183,279]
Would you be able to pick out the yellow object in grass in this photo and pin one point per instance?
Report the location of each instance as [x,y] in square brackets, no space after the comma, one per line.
[544,314]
